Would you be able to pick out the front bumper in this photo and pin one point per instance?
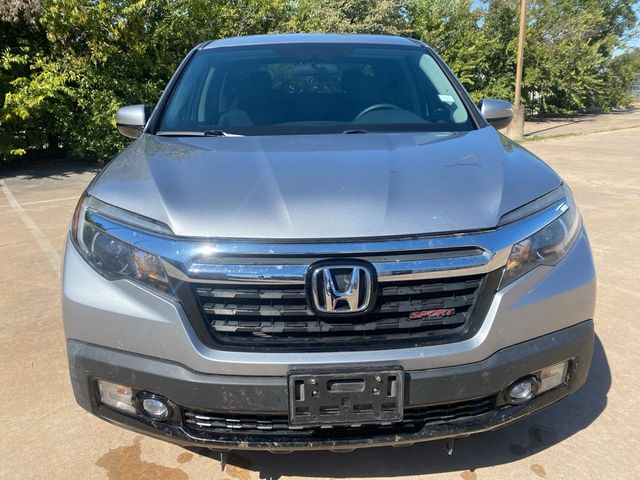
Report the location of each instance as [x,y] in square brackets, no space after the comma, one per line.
[268,396]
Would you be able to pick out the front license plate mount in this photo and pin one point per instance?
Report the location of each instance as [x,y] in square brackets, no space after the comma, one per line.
[350,398]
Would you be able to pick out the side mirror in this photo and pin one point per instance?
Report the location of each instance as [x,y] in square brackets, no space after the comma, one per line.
[497,112]
[131,120]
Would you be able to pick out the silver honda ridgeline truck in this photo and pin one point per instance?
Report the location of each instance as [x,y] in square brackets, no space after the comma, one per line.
[320,242]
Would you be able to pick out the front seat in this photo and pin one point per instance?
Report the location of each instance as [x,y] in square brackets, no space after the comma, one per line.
[256,97]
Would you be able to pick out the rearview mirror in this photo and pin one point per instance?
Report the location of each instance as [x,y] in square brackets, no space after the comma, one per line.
[131,120]
[497,112]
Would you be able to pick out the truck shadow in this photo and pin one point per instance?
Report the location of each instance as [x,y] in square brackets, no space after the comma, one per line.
[544,123]
[520,440]
[54,169]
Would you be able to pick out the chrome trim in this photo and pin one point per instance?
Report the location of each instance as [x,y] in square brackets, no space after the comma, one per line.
[331,294]
[455,267]
[554,196]
[240,273]
[194,259]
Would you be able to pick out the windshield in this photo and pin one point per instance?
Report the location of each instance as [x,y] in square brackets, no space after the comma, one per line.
[313,88]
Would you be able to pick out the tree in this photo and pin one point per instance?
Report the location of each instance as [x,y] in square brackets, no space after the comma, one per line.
[618,74]
[67,65]
[568,46]
[453,28]
[15,10]
[23,41]
[103,55]
[348,16]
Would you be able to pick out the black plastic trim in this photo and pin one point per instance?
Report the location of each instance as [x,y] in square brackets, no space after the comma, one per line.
[188,298]
[269,395]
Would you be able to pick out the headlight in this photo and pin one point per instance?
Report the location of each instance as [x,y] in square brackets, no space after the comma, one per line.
[548,245]
[113,258]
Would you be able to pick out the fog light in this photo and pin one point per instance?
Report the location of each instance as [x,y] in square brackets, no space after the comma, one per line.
[156,407]
[523,390]
[119,397]
[553,376]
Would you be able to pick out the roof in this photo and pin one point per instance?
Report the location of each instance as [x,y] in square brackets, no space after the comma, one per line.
[311,38]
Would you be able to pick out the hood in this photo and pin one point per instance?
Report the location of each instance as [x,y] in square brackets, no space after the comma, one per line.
[325,186]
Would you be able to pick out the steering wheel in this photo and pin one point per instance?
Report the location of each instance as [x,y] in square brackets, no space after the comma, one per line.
[377,106]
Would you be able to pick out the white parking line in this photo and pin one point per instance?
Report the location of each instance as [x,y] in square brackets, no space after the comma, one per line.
[50,200]
[42,241]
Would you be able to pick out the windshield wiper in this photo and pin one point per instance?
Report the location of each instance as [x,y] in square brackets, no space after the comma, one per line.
[355,130]
[207,133]
[220,133]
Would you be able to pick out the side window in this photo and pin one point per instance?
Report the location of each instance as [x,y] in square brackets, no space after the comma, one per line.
[446,93]
[186,105]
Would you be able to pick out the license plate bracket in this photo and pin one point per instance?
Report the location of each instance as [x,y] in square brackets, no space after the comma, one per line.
[346,398]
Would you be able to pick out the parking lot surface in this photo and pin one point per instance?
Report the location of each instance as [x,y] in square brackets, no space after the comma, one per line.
[579,124]
[594,434]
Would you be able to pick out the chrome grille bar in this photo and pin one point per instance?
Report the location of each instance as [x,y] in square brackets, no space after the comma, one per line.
[201,260]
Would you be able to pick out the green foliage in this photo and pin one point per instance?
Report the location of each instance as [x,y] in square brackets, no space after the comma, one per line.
[23,44]
[567,54]
[618,74]
[349,16]
[14,10]
[452,28]
[67,65]
[105,54]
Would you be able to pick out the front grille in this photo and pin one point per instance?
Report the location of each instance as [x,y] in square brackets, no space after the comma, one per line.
[414,420]
[268,317]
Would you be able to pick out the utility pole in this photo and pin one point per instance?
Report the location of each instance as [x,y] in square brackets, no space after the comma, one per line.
[516,128]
